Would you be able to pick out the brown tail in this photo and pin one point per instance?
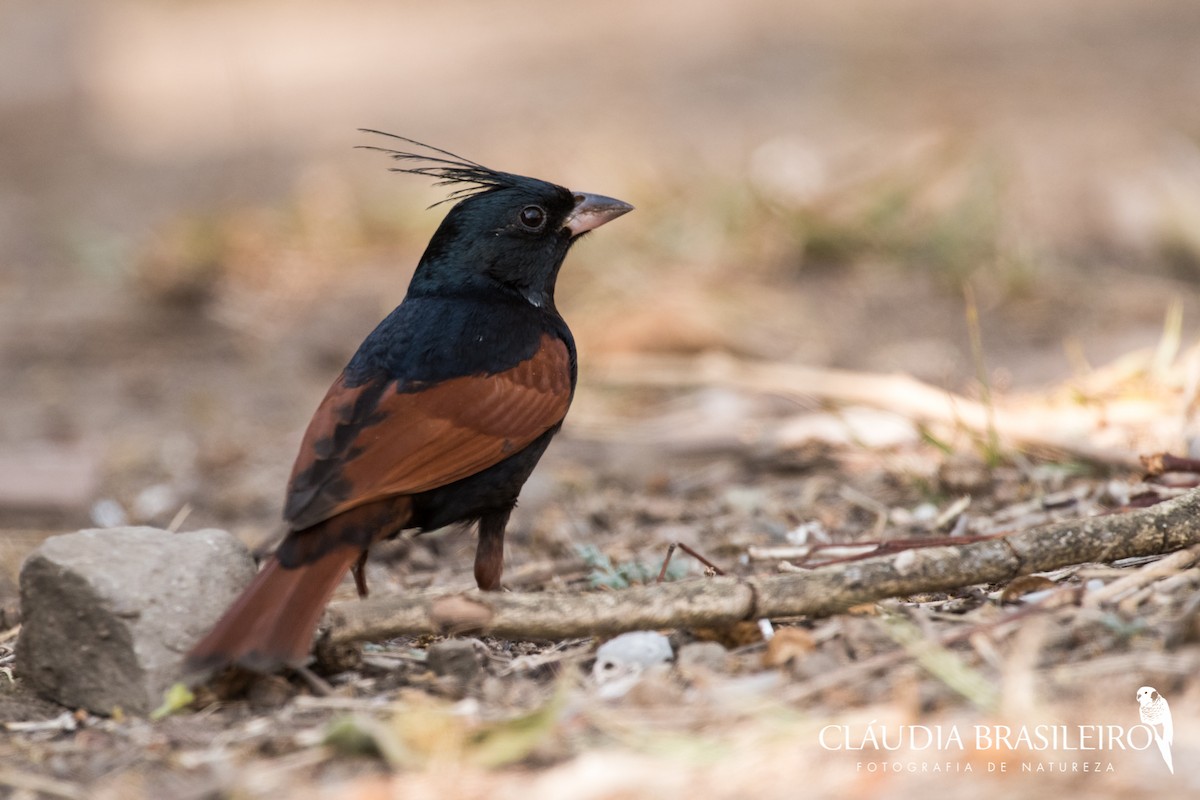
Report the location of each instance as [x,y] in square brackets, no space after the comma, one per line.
[271,624]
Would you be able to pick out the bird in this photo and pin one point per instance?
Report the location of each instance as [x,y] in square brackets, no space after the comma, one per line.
[1155,712]
[441,414]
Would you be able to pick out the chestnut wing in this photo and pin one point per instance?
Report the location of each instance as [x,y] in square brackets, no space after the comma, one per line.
[371,441]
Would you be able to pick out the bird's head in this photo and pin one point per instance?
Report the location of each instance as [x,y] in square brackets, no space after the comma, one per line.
[504,230]
[1146,695]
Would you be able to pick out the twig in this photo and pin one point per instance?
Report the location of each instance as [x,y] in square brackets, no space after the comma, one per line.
[180,517]
[1164,528]
[662,573]
[712,568]
[63,722]
[337,703]
[1159,463]
[878,548]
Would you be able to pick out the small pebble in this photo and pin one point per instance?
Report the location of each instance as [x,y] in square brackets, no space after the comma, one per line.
[621,660]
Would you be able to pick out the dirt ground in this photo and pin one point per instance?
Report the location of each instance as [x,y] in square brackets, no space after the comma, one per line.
[1000,200]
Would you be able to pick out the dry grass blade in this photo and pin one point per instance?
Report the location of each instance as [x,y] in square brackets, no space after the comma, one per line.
[40,785]
[1165,567]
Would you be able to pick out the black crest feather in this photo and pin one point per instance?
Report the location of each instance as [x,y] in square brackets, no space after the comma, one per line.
[448,168]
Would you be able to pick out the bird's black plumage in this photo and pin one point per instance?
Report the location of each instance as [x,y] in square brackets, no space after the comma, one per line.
[442,413]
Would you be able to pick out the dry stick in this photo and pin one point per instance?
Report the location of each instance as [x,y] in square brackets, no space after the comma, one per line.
[823,591]
[1159,463]
[898,393]
[880,547]
[662,573]
[712,568]
[1144,575]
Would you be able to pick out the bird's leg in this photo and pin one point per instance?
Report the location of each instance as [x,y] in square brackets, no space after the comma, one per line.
[489,554]
[360,577]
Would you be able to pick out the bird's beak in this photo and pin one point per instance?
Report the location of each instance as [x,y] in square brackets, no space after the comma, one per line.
[593,210]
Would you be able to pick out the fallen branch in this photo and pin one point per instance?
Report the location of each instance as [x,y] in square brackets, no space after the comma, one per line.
[1164,528]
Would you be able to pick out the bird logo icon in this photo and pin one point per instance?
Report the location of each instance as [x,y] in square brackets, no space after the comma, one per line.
[1157,714]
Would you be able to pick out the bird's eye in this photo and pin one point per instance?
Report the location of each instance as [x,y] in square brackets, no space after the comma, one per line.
[533,217]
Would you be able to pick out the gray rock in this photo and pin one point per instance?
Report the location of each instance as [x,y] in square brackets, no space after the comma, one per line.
[107,615]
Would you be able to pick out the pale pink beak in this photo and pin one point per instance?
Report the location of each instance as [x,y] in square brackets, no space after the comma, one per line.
[593,210]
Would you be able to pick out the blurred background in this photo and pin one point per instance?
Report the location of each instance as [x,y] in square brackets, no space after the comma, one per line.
[190,245]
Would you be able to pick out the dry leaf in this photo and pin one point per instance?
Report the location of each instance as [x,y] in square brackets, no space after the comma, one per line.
[786,645]
[1026,584]
[733,636]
